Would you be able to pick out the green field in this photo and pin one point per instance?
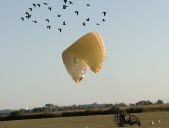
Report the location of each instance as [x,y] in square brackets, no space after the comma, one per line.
[101,121]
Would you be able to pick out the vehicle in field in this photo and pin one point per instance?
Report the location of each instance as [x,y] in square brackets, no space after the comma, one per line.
[126,119]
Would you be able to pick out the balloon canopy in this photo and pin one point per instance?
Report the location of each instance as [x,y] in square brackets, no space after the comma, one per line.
[86,52]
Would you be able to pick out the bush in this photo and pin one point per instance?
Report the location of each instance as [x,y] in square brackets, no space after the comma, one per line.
[134,110]
[15,113]
[115,109]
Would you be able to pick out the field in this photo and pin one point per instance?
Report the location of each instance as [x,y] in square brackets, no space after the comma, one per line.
[101,121]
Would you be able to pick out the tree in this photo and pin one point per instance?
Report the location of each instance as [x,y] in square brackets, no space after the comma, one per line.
[121,105]
[131,104]
[160,102]
[143,102]
[50,107]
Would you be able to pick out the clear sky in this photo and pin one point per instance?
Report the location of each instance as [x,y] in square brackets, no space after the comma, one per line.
[136,36]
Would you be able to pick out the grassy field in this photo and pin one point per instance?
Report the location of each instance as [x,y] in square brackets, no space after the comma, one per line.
[102,121]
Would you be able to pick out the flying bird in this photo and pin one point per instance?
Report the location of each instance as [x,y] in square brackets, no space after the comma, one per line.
[30,9]
[38,5]
[64,6]
[47,20]
[60,29]
[104,13]
[77,12]
[64,23]
[28,16]
[50,8]
[87,19]
[34,5]
[70,2]
[22,18]
[27,13]
[65,1]
[48,27]
[84,23]
[34,21]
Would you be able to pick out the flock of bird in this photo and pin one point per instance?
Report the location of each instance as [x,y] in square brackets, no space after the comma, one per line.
[66,4]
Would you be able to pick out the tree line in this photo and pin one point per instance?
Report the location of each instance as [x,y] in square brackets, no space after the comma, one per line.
[54,111]
[56,108]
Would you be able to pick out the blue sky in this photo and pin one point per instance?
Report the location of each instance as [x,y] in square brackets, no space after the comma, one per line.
[136,36]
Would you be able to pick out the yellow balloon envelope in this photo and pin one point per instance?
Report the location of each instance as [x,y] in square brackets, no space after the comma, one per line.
[88,51]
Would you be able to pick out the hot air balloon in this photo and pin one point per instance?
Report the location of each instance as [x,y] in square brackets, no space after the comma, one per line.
[87,52]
